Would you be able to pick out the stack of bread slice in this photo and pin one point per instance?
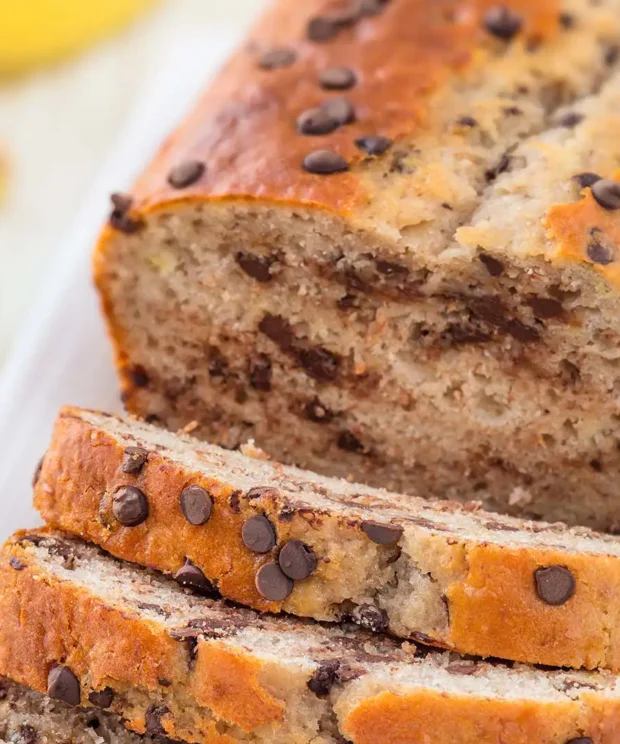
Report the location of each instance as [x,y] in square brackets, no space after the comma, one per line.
[383,247]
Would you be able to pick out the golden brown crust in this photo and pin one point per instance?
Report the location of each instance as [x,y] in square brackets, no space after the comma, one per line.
[492,605]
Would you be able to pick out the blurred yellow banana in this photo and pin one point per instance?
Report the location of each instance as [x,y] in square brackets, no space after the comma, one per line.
[34,32]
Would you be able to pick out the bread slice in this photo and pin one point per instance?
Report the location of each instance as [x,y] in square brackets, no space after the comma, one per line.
[441,316]
[84,627]
[27,717]
[440,573]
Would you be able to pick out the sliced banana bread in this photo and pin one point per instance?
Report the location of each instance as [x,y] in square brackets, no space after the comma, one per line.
[278,538]
[386,243]
[27,717]
[92,631]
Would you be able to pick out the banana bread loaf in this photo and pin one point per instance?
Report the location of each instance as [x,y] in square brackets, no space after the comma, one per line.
[277,538]
[385,243]
[92,631]
[27,717]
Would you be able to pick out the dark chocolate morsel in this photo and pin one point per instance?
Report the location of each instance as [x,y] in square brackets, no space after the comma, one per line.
[277,58]
[102,698]
[186,174]
[130,506]
[153,720]
[272,583]
[134,459]
[491,264]
[316,121]
[258,534]
[297,560]
[374,144]
[339,110]
[607,193]
[196,505]
[371,618]
[192,577]
[325,163]
[570,119]
[502,22]
[600,250]
[555,585]
[62,684]
[16,564]
[586,179]
[337,78]
[382,534]
[324,677]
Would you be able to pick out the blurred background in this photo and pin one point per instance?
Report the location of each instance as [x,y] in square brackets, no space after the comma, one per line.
[70,71]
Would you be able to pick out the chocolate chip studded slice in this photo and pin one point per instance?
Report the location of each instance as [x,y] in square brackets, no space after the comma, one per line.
[272,583]
[315,122]
[196,505]
[325,163]
[63,685]
[555,585]
[339,109]
[382,534]
[186,174]
[370,617]
[130,506]
[134,459]
[258,534]
[324,677]
[502,22]
[297,560]
[607,193]
[193,578]
[586,179]
[374,144]
[102,698]
[337,78]
[277,58]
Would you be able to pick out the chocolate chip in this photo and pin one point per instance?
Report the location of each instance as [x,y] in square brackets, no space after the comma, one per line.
[587,179]
[258,534]
[607,193]
[37,473]
[278,330]
[138,376]
[370,7]
[257,267]
[337,78]
[130,506]
[600,250]
[570,120]
[545,307]
[374,144]
[316,121]
[324,677]
[320,363]
[192,577]
[16,564]
[119,218]
[196,505]
[186,174]
[272,583]
[567,20]
[580,740]
[102,698]
[502,22]
[134,459]
[322,29]
[63,685]
[325,162]
[262,492]
[371,618]
[153,720]
[382,534]
[467,121]
[297,560]
[348,442]
[261,373]
[492,265]
[277,58]
[317,412]
[501,167]
[339,109]
[555,585]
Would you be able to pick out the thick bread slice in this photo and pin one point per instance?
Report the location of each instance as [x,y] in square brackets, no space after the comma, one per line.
[441,317]
[75,622]
[27,717]
[439,573]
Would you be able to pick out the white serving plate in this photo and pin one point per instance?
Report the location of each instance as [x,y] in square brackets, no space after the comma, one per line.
[62,354]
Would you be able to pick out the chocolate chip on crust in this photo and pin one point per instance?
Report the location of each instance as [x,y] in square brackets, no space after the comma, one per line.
[600,250]
[555,585]
[102,698]
[324,677]
[16,564]
[134,459]
[130,506]
[119,217]
[196,505]
[153,720]
[337,78]
[297,560]
[325,163]
[272,583]
[277,58]
[374,144]
[192,577]
[580,740]
[339,110]
[62,684]
[186,174]
[258,534]
[316,122]
[321,29]
[586,179]
[371,618]
[607,193]
[502,22]
[382,534]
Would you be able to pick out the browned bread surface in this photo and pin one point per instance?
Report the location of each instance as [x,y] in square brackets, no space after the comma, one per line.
[438,314]
[95,632]
[441,574]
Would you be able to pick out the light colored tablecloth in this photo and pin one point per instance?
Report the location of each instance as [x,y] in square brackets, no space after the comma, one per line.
[57,129]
